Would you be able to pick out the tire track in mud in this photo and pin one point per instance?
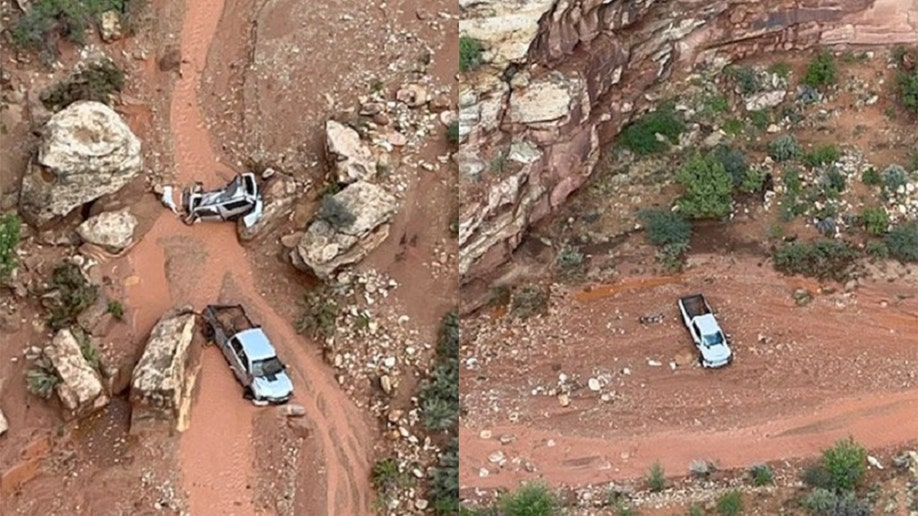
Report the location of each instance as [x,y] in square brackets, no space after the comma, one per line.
[178,264]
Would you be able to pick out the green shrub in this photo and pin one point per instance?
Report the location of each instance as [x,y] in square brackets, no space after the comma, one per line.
[822,155]
[41,378]
[759,119]
[569,263]
[664,227]
[444,481]
[320,311]
[387,479]
[70,18]
[846,464]
[746,79]
[68,295]
[715,104]
[833,183]
[825,502]
[452,132]
[656,478]
[96,82]
[871,177]
[761,475]
[470,50]
[733,160]
[894,177]
[528,301]
[730,503]
[908,90]
[877,250]
[781,69]
[533,499]
[821,259]
[752,181]
[696,510]
[116,309]
[902,242]
[821,71]
[816,476]
[733,126]
[708,188]
[9,241]
[641,136]
[440,394]
[875,220]
[335,213]
[784,148]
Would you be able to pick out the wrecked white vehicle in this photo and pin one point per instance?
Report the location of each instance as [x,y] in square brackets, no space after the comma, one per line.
[241,198]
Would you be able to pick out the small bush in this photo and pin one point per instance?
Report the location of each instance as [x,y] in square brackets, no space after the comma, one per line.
[387,479]
[817,476]
[894,177]
[41,378]
[696,510]
[68,295]
[444,481]
[733,160]
[875,220]
[824,502]
[440,393]
[96,82]
[335,213]
[656,478]
[822,155]
[733,126]
[320,314]
[89,352]
[784,148]
[752,181]
[664,227]
[871,177]
[470,50]
[781,69]
[761,475]
[569,263]
[821,71]
[708,188]
[528,301]
[902,242]
[877,250]
[70,18]
[641,136]
[908,90]
[759,119]
[746,79]
[452,132]
[9,241]
[821,259]
[833,183]
[116,309]
[846,464]
[715,104]
[530,500]
[730,503]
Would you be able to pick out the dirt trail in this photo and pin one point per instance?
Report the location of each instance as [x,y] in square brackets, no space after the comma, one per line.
[874,421]
[177,264]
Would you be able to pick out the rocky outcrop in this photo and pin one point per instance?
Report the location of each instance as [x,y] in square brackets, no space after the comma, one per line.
[80,388]
[351,158]
[113,230]
[87,151]
[333,242]
[161,384]
[279,195]
[565,77]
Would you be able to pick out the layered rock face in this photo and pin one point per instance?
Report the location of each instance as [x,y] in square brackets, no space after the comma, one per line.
[87,151]
[563,77]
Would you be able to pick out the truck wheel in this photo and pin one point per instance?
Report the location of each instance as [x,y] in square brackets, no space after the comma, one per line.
[248,394]
[208,332]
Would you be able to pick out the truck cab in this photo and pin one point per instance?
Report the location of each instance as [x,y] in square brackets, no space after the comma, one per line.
[705,331]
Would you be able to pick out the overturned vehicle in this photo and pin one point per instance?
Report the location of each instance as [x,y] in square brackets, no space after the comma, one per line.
[240,198]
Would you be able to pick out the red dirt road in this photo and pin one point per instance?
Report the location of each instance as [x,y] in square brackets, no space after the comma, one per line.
[178,264]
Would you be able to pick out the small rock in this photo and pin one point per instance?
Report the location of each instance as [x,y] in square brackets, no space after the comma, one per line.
[564,399]
[497,457]
[654,363]
[290,241]
[110,26]
[626,371]
[395,415]
[483,472]
[294,410]
[420,504]
[385,383]
[874,462]
[413,95]
[594,385]
[506,438]
[484,434]
[439,103]
[4,425]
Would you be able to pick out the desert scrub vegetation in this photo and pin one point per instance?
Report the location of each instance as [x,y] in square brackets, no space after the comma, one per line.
[444,481]
[68,294]
[825,502]
[440,393]
[452,132]
[902,242]
[116,308]
[761,475]
[9,241]
[470,51]
[41,378]
[875,220]
[871,177]
[640,136]
[69,18]
[708,188]
[784,148]
[841,467]
[656,478]
[320,311]
[569,263]
[821,70]
[730,503]
[98,81]
[670,231]
[908,89]
[387,479]
[534,499]
[745,78]
[334,212]
[527,301]
[894,177]
[733,161]
[823,259]
[822,155]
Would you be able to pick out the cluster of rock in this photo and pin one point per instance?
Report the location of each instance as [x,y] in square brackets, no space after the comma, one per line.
[80,388]
[565,77]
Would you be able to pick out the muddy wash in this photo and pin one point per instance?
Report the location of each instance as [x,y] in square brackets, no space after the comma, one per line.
[178,264]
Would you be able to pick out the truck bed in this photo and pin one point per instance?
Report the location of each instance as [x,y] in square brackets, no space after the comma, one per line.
[230,319]
[694,305]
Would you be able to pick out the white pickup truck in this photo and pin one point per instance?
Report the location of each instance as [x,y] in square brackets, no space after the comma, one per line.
[709,338]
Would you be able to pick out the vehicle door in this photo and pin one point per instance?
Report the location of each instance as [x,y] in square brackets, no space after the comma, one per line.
[236,357]
[696,333]
[235,208]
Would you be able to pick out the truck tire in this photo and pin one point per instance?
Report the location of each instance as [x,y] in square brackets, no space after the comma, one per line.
[248,394]
[208,332]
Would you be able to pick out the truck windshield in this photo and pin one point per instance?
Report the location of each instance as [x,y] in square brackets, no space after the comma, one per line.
[714,339]
[267,367]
